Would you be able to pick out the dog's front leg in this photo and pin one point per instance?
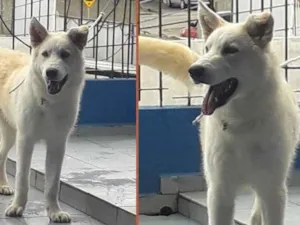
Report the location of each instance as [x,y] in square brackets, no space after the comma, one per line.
[220,202]
[54,159]
[222,183]
[24,144]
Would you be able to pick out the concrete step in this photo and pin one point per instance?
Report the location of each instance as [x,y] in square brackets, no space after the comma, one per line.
[193,206]
[195,182]
[93,179]
[174,219]
[35,212]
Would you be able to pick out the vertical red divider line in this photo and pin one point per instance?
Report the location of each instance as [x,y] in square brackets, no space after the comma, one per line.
[137,22]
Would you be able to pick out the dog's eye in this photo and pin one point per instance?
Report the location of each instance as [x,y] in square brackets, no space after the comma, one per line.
[45,54]
[230,50]
[64,54]
[206,49]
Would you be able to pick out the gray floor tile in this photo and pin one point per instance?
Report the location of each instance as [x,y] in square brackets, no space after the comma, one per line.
[244,203]
[104,211]
[294,195]
[76,220]
[183,207]
[151,204]
[124,218]
[129,209]
[99,161]
[10,221]
[73,197]
[198,213]
[35,213]
[35,206]
[175,219]
[292,216]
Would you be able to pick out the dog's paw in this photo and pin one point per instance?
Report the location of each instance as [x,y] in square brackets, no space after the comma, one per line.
[6,190]
[14,211]
[60,217]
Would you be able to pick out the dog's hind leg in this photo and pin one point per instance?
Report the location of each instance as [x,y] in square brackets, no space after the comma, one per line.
[7,136]
[256,215]
[273,202]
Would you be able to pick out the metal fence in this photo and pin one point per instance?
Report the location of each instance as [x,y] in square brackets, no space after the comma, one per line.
[179,24]
[110,51]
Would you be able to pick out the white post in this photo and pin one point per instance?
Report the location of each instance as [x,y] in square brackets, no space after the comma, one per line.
[54,15]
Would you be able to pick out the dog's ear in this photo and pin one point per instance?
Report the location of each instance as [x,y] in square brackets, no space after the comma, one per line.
[260,28]
[37,32]
[209,20]
[79,36]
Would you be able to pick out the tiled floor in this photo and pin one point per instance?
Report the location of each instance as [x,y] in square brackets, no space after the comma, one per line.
[244,203]
[292,217]
[194,202]
[175,219]
[35,213]
[99,161]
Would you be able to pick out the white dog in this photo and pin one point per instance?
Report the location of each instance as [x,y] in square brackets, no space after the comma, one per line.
[251,125]
[39,99]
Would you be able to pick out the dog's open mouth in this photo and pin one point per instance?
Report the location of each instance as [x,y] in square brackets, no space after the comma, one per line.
[54,86]
[218,95]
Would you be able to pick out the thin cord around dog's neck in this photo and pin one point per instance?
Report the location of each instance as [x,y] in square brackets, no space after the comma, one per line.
[43,100]
[17,86]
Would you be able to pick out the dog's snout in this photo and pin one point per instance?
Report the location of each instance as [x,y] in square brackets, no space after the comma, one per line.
[51,73]
[196,72]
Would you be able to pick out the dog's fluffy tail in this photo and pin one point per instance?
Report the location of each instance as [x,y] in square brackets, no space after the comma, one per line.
[168,57]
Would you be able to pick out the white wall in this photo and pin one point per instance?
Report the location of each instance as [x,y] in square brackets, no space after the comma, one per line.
[39,11]
[57,23]
[278,13]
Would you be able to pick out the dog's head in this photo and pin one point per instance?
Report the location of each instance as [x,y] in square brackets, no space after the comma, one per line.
[57,57]
[235,55]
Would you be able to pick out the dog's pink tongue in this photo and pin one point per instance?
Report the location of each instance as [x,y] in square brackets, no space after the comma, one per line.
[53,86]
[208,106]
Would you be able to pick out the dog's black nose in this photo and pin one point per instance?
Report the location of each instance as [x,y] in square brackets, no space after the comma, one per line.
[196,72]
[51,73]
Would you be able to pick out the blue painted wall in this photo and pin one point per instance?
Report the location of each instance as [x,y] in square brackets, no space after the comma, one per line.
[297,163]
[168,144]
[108,102]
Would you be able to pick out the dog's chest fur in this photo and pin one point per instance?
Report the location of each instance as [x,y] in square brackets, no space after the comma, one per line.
[42,117]
[58,117]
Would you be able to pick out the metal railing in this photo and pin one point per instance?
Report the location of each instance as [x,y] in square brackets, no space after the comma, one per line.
[110,51]
[157,19]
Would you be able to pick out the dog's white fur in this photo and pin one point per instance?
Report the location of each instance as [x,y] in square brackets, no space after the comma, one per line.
[29,113]
[258,146]
[167,57]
